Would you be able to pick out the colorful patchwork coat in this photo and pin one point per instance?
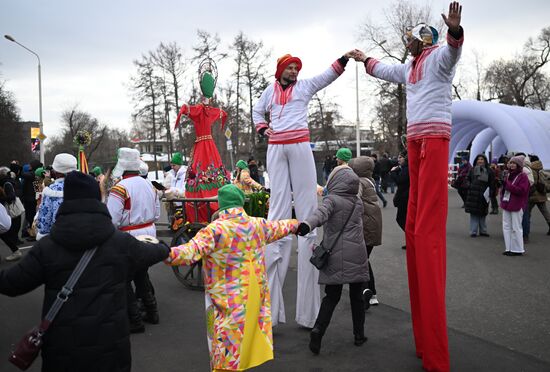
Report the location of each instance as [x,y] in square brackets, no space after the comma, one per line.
[238,310]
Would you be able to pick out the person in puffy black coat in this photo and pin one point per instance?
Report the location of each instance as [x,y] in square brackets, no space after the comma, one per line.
[91,331]
[481,185]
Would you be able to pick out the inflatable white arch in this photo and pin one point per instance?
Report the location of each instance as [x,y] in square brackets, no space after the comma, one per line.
[507,128]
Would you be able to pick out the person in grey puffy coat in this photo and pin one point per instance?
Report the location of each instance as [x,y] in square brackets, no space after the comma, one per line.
[363,167]
[348,262]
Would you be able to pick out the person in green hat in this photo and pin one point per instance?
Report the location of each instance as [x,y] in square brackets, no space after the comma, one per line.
[97,171]
[177,187]
[343,156]
[232,250]
[244,181]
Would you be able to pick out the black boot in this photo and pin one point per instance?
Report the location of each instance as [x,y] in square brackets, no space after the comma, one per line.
[315,337]
[548,233]
[151,308]
[136,323]
[360,340]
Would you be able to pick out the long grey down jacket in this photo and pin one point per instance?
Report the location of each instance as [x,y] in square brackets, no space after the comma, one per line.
[348,261]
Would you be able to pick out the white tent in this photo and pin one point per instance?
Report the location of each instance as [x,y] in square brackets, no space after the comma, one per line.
[507,128]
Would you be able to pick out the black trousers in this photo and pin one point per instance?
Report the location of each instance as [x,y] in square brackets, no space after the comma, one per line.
[331,299]
[401,217]
[11,236]
[143,287]
[463,192]
[30,212]
[371,284]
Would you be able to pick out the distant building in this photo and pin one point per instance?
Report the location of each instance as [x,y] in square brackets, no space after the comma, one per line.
[148,146]
[344,136]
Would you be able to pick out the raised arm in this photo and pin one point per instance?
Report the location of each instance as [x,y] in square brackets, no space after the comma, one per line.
[450,54]
[316,83]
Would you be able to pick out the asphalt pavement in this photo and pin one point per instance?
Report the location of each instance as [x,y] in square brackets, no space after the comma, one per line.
[498,312]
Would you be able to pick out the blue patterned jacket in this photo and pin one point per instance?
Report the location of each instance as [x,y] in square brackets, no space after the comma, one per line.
[52,197]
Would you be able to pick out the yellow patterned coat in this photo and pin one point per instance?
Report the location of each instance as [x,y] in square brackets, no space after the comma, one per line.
[238,309]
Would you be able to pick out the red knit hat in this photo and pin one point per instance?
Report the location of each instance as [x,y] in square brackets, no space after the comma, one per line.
[283,63]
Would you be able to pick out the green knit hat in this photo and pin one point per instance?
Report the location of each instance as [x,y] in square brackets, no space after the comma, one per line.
[344,154]
[230,196]
[97,171]
[242,164]
[39,172]
[177,158]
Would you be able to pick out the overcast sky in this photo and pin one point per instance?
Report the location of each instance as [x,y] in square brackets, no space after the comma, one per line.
[87,48]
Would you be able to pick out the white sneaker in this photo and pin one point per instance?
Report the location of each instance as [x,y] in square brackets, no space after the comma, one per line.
[367,295]
[14,256]
[374,301]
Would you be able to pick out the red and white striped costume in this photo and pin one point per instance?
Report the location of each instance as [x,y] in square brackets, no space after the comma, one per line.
[291,170]
[134,206]
[428,78]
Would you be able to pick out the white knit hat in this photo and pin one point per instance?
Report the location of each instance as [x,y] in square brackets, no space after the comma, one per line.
[128,160]
[64,163]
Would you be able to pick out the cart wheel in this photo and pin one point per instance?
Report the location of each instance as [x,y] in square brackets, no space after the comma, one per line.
[189,276]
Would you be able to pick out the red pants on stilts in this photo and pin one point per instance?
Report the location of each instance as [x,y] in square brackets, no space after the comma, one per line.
[426,249]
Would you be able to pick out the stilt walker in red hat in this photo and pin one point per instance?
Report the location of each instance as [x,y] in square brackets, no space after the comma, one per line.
[293,177]
[428,78]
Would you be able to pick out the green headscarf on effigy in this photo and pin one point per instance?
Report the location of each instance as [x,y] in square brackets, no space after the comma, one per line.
[207,83]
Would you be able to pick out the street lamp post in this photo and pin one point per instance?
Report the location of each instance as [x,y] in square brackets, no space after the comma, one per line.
[41,135]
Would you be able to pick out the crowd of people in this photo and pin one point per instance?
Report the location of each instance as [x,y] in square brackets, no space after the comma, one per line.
[515,184]
[245,259]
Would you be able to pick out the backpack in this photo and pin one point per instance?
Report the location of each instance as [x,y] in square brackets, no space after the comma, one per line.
[543,182]
[15,208]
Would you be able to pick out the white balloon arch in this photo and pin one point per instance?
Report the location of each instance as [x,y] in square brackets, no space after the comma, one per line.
[507,128]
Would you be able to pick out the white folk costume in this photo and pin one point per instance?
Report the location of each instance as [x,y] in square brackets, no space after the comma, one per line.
[292,172]
[428,78]
[133,202]
[134,207]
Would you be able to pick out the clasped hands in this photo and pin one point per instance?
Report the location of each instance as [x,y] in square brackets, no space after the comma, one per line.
[303,229]
[357,55]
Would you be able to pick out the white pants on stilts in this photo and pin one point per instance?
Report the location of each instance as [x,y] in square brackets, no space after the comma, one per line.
[292,173]
[513,231]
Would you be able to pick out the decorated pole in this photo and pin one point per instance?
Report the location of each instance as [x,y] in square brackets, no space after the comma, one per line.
[82,138]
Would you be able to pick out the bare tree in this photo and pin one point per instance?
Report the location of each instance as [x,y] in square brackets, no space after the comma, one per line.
[169,58]
[208,46]
[322,117]
[522,81]
[12,132]
[147,98]
[251,58]
[104,141]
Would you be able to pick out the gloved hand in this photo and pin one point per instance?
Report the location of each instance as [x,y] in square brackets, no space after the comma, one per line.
[303,229]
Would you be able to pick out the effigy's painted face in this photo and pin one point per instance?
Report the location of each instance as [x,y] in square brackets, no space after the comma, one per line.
[290,73]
